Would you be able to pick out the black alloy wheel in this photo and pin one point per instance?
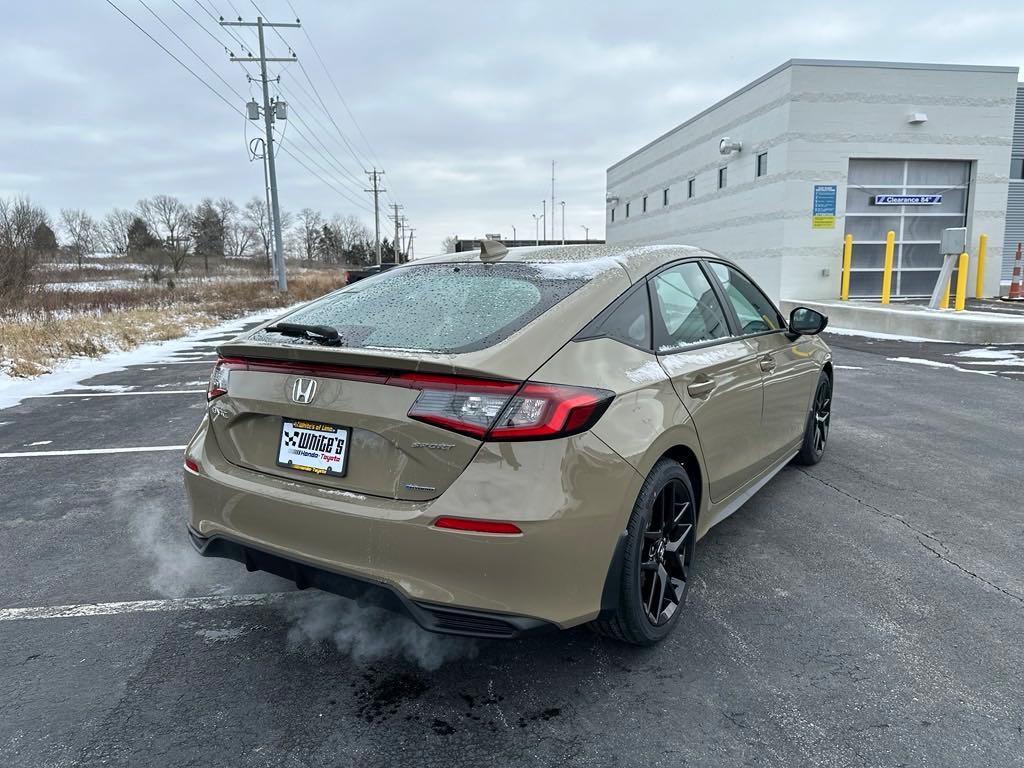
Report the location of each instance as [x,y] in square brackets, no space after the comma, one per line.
[822,414]
[667,553]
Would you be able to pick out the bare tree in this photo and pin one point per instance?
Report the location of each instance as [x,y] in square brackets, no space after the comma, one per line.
[309,229]
[239,235]
[171,221]
[20,223]
[81,232]
[114,231]
[258,216]
[448,244]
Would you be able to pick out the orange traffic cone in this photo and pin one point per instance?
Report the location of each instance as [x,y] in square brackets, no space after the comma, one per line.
[1016,290]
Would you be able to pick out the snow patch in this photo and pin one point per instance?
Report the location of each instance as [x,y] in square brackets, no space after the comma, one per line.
[647,373]
[936,364]
[70,373]
[876,335]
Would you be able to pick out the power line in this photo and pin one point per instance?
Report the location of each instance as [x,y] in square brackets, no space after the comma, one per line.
[311,116]
[191,71]
[330,173]
[215,17]
[288,152]
[326,152]
[193,50]
[335,86]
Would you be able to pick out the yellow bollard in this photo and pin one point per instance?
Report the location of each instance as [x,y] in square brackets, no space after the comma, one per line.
[979,286]
[844,292]
[944,304]
[887,274]
[961,282]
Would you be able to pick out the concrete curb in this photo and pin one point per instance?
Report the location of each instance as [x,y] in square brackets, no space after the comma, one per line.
[965,327]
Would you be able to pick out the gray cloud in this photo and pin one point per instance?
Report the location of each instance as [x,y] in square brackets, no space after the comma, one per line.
[465,104]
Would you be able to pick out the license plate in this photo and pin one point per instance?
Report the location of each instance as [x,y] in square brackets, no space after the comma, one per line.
[314,447]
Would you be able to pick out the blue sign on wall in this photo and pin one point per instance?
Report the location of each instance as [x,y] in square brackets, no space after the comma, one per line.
[824,200]
[823,214]
[907,200]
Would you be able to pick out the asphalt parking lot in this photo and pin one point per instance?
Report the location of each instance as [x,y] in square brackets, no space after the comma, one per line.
[868,611]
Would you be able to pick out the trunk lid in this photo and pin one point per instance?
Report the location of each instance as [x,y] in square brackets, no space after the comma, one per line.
[388,453]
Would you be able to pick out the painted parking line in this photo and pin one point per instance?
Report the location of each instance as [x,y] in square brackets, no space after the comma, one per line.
[91,451]
[123,394]
[210,603]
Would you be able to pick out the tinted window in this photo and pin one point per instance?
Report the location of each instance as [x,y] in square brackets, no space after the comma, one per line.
[629,322]
[437,307]
[756,313]
[687,308]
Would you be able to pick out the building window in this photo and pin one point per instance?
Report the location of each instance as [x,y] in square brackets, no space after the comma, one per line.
[627,210]
[1016,168]
[722,177]
[691,188]
[762,164]
[613,215]
[644,204]
[664,196]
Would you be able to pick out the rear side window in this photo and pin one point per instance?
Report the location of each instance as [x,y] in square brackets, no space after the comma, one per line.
[755,312]
[447,308]
[688,309]
[629,321]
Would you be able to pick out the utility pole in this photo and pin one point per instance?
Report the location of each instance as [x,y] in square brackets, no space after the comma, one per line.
[544,217]
[536,227]
[396,243]
[268,126]
[412,234]
[563,222]
[514,233]
[377,189]
[553,200]
[586,231]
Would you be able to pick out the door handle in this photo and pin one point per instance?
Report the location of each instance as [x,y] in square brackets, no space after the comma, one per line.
[700,388]
[767,363]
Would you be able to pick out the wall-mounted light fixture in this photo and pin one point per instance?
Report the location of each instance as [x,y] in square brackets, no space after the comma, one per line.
[612,200]
[916,118]
[727,146]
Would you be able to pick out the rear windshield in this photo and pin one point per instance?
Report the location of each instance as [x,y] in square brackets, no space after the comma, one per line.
[447,308]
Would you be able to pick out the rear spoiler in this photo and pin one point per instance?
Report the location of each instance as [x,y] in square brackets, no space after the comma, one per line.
[474,364]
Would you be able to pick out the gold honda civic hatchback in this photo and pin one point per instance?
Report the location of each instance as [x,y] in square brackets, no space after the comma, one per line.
[504,440]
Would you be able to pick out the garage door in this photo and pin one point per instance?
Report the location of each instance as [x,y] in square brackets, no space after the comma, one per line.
[874,190]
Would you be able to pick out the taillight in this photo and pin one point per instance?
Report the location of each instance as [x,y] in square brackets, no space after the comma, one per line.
[464,405]
[541,411]
[192,466]
[491,410]
[220,376]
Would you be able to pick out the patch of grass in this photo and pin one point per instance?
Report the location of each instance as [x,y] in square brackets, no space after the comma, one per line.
[95,323]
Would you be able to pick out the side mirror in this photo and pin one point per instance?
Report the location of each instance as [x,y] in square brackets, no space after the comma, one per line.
[806,322]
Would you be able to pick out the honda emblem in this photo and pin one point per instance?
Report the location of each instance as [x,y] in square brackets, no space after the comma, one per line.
[304,390]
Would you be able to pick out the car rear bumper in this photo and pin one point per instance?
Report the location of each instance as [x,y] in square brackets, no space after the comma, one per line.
[570,497]
[434,618]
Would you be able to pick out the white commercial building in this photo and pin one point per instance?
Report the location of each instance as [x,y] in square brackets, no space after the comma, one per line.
[818,149]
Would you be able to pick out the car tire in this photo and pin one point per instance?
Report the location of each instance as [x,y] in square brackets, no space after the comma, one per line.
[658,554]
[818,422]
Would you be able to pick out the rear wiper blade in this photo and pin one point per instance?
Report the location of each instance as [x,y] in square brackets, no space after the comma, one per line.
[317,332]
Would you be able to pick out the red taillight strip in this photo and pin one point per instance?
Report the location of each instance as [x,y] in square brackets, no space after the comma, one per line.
[478,526]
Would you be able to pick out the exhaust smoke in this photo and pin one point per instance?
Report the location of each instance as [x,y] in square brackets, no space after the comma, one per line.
[367,633]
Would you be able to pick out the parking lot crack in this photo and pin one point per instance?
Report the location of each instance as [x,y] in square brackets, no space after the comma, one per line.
[972,574]
[927,540]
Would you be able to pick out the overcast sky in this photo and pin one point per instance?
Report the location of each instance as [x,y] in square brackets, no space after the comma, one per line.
[465,104]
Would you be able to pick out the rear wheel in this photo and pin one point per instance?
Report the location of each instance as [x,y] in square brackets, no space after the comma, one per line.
[818,422]
[657,559]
